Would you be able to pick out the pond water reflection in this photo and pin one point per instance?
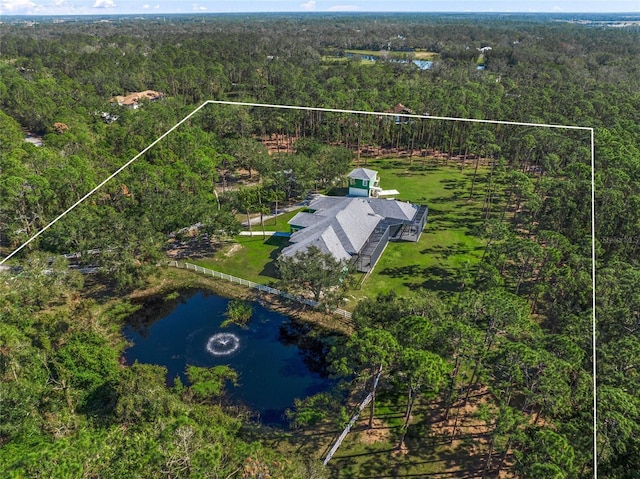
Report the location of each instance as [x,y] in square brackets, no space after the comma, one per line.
[271,366]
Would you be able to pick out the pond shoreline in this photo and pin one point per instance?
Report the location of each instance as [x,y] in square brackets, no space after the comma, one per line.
[172,282]
[159,331]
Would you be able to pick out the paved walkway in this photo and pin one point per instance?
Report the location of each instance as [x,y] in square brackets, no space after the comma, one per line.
[258,233]
[256,219]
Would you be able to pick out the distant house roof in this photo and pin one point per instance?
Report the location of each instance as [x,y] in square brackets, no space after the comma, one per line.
[342,225]
[363,174]
[400,108]
[133,98]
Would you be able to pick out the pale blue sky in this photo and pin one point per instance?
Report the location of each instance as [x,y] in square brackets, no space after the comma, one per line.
[83,7]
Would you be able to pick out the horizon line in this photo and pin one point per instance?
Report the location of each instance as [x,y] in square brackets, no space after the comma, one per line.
[333,12]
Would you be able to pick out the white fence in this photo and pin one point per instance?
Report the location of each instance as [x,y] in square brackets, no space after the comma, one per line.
[251,284]
[355,417]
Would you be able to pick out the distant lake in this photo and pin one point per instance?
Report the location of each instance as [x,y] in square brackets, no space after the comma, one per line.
[273,370]
[423,64]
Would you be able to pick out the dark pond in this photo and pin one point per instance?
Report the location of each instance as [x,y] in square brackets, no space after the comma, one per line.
[274,360]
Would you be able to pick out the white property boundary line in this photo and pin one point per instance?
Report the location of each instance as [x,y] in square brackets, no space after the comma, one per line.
[426,117]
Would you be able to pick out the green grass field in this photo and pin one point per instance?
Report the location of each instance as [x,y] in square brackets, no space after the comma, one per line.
[447,247]
[417,55]
[438,262]
[328,59]
[251,257]
[247,257]
[279,223]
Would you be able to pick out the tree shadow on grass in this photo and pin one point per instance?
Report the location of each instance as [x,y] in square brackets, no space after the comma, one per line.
[463,218]
[270,269]
[433,278]
[428,454]
[440,279]
[440,200]
[367,453]
[389,164]
[454,184]
[409,174]
[445,474]
[446,251]
[423,167]
[455,462]
[460,224]
[411,270]
[389,463]
[278,241]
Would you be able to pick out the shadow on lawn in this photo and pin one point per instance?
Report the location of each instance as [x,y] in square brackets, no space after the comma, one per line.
[446,251]
[454,184]
[423,167]
[434,277]
[458,223]
[457,463]
[417,165]
[270,269]
[440,279]
[412,270]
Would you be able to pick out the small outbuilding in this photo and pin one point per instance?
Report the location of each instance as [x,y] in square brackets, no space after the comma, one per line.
[365,182]
[362,182]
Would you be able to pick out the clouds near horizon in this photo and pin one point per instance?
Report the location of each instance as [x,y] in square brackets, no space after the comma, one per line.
[104,4]
[84,7]
[310,5]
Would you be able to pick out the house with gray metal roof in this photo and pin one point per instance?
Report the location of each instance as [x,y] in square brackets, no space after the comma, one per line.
[355,229]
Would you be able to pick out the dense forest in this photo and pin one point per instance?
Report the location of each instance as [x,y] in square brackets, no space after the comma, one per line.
[522,326]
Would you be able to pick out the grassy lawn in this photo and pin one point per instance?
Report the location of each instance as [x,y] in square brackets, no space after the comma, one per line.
[251,257]
[447,247]
[327,59]
[247,257]
[446,250]
[424,55]
[417,55]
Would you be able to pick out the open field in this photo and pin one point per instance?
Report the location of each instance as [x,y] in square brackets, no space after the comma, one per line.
[369,57]
[335,59]
[447,247]
[416,55]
